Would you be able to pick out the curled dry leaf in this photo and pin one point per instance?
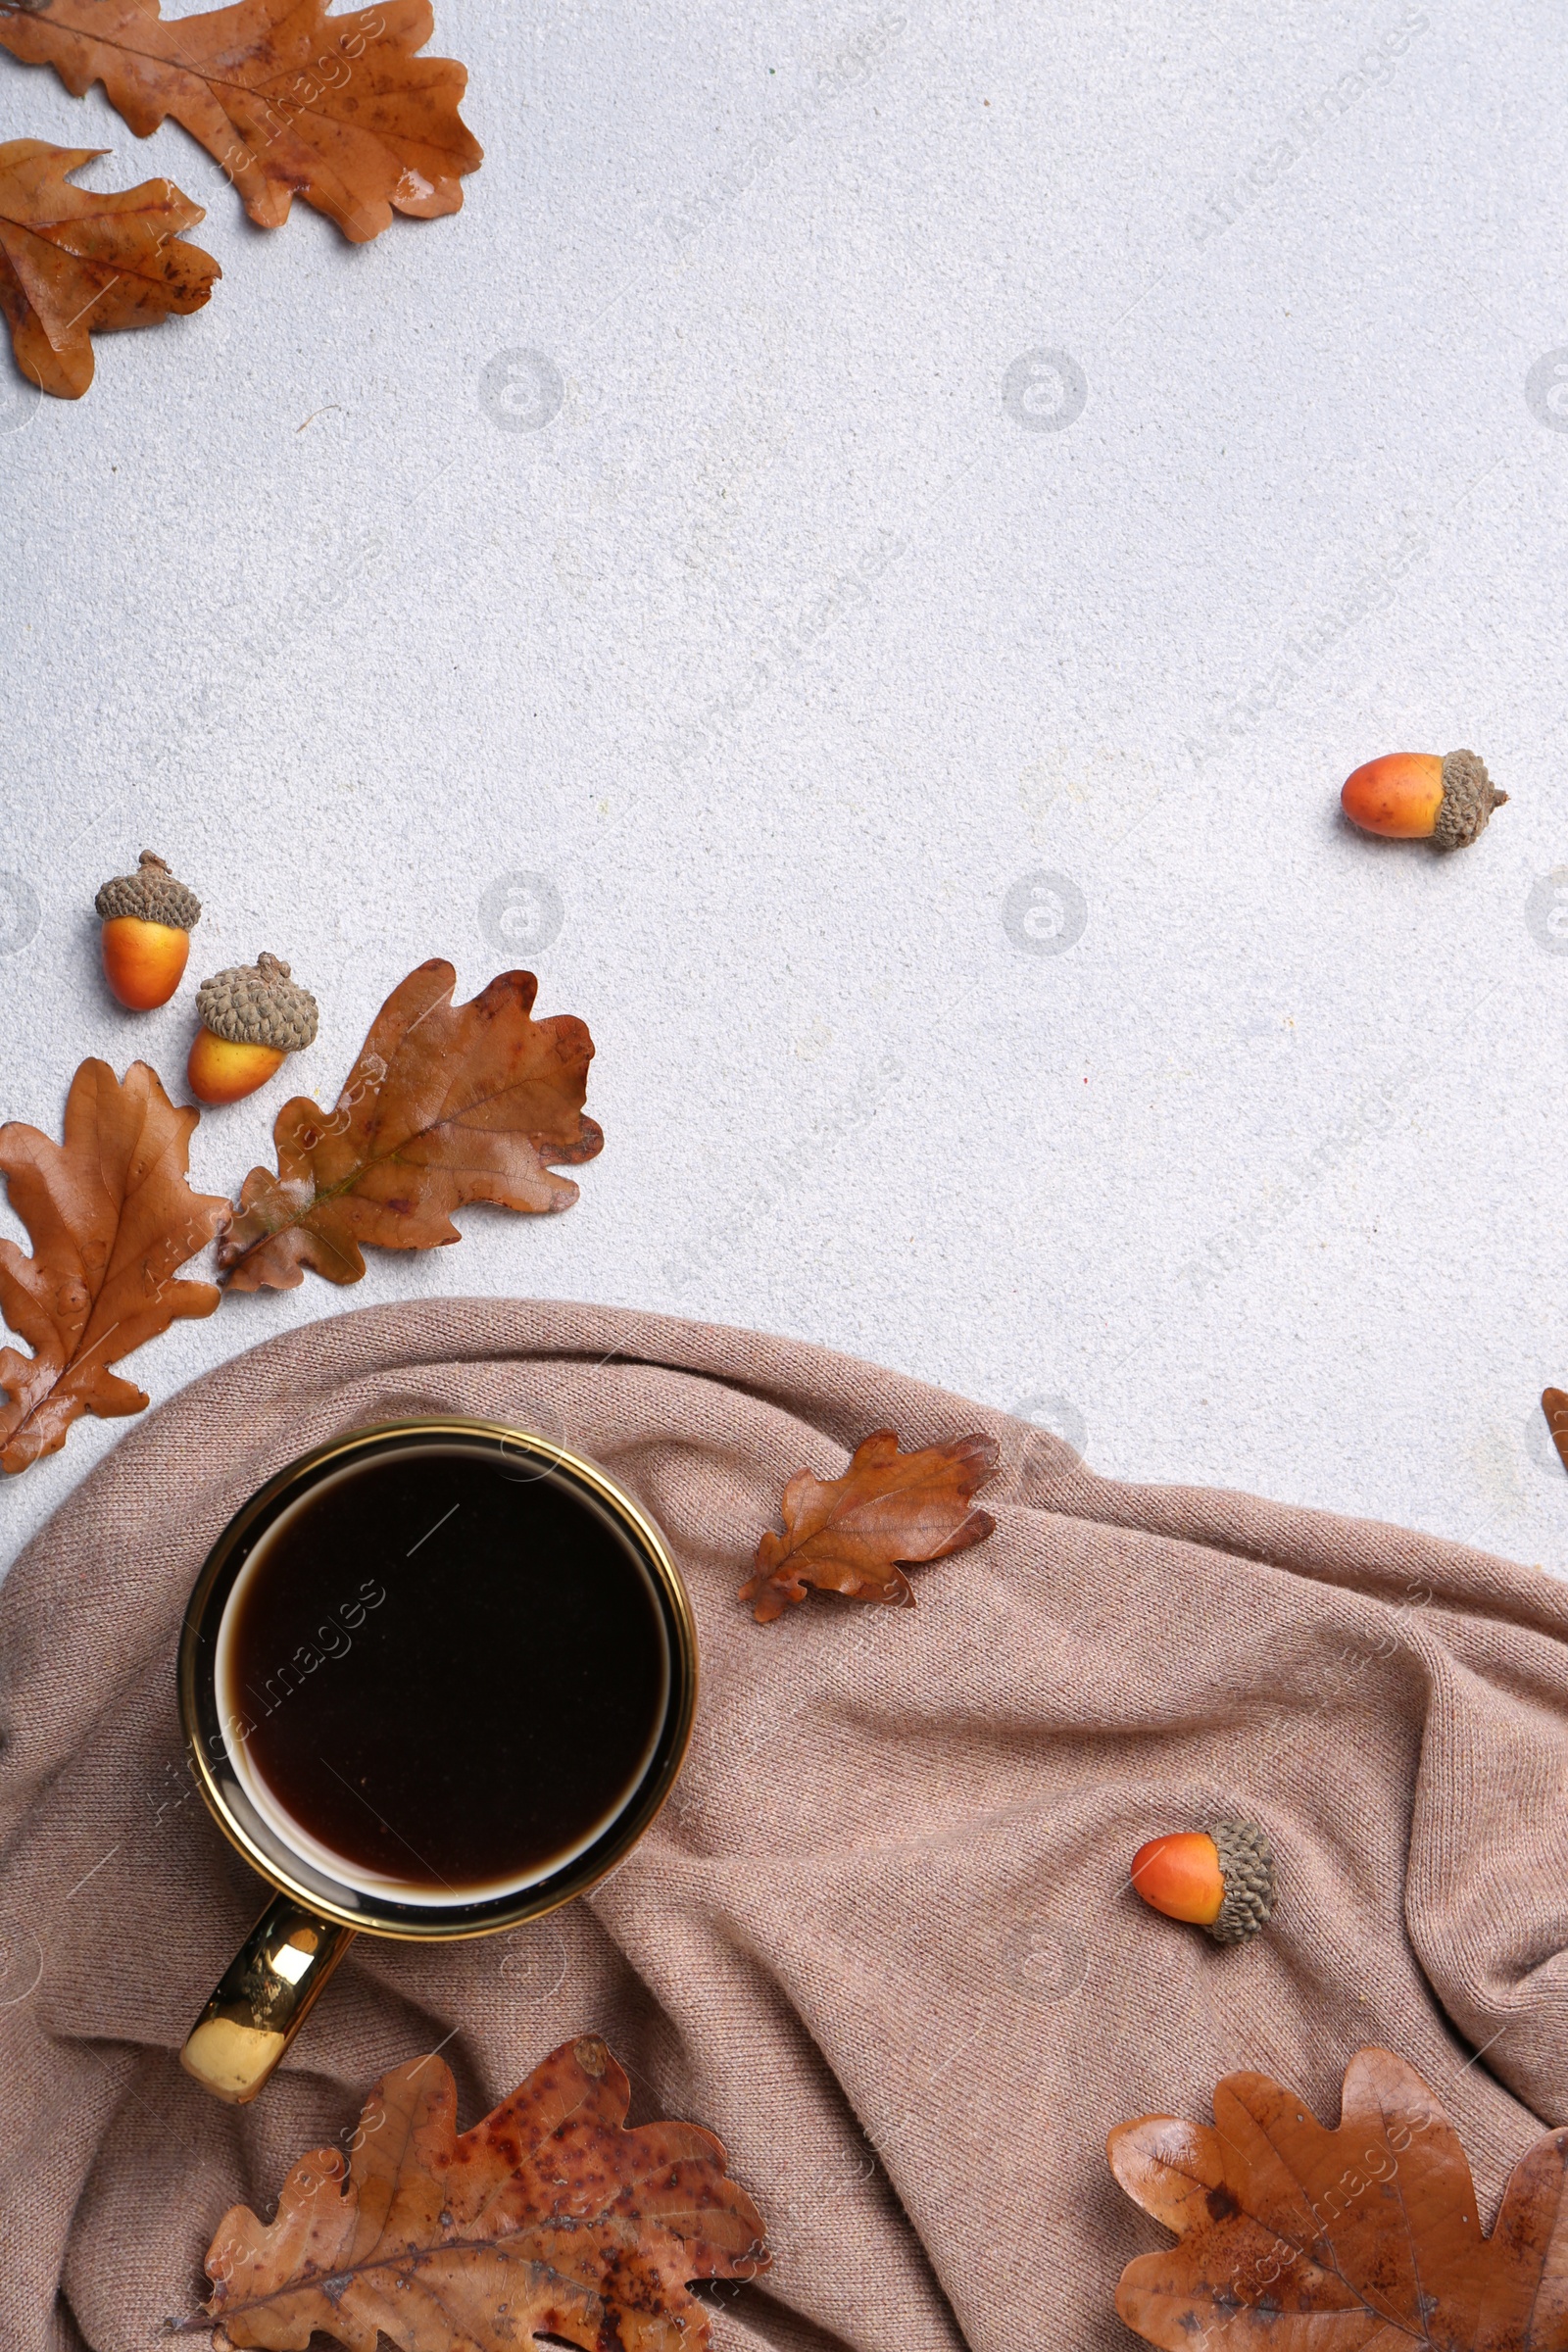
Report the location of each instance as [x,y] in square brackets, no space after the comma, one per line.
[446,1103]
[289,101]
[75,263]
[1361,2238]
[856,1534]
[111,1217]
[548,2218]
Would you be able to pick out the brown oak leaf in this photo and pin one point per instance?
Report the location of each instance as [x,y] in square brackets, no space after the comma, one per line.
[856,1534]
[1554,1404]
[446,1103]
[111,1217]
[548,2218]
[290,101]
[75,263]
[1365,2236]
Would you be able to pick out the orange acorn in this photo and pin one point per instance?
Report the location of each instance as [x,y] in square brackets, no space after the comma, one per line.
[147,921]
[252,1015]
[1415,795]
[1220,1879]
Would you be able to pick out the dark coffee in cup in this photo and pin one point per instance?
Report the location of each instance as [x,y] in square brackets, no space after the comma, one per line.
[443,1672]
[436,1678]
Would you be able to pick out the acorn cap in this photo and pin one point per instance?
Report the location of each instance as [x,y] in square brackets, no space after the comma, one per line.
[1469,796]
[151,894]
[258,1004]
[1247,1866]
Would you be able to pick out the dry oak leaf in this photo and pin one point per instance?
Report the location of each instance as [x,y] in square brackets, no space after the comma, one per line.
[1554,1404]
[548,2218]
[112,1218]
[289,101]
[446,1103]
[1293,2236]
[856,1534]
[75,263]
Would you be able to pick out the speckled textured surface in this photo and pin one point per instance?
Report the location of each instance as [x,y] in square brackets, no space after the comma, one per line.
[863,555]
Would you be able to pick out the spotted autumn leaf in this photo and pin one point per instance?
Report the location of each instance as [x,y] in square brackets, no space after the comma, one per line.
[75,263]
[1362,2237]
[549,2218]
[856,1534]
[447,1104]
[111,1219]
[290,101]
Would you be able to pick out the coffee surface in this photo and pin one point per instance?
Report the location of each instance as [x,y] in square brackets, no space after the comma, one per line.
[454,1670]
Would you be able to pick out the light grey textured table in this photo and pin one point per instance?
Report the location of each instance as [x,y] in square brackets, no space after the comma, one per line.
[863,555]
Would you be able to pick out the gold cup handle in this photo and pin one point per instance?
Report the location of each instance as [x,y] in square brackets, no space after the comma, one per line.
[263,1999]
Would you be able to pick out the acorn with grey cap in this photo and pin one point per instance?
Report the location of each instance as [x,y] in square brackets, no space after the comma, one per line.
[1416,795]
[1221,1879]
[252,1015]
[147,918]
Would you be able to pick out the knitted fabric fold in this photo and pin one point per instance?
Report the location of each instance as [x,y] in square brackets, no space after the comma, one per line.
[882,1939]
